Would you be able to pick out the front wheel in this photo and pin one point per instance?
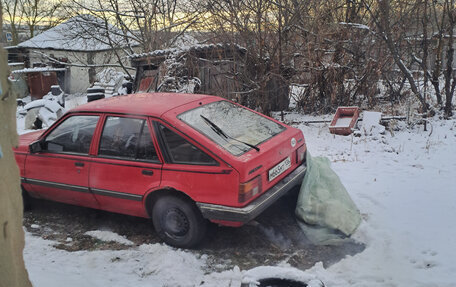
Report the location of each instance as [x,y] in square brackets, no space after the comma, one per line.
[178,221]
[26,200]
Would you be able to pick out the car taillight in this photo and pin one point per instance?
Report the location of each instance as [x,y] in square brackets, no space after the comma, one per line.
[249,189]
[300,154]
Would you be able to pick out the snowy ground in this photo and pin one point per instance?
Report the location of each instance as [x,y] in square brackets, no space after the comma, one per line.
[403,182]
[405,187]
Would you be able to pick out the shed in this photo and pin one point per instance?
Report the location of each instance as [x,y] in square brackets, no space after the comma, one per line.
[212,67]
[82,45]
[40,79]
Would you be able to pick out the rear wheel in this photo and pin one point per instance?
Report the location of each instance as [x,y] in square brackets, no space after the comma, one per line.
[178,221]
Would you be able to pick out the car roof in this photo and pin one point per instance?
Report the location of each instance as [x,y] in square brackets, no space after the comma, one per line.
[150,104]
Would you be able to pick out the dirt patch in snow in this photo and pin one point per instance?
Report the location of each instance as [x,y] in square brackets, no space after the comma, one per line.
[272,239]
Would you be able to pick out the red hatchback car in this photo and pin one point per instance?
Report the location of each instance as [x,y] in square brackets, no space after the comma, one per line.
[180,159]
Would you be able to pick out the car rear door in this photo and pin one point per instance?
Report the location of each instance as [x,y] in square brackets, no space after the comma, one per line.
[193,169]
[126,164]
[60,171]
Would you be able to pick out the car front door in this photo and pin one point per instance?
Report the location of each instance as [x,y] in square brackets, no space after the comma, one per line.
[127,165]
[60,172]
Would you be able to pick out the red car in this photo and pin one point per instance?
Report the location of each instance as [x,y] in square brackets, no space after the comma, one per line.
[180,159]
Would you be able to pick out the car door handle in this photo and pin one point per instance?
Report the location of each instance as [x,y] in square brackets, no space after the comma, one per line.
[147,172]
[79,164]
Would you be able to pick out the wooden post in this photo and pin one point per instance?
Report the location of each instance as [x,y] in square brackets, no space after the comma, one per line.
[12,268]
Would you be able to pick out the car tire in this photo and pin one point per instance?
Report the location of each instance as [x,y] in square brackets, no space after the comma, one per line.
[178,221]
[26,200]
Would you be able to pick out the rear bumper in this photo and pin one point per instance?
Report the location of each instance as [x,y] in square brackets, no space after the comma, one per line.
[249,212]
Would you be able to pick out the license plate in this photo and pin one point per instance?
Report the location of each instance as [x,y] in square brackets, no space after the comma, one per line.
[279,168]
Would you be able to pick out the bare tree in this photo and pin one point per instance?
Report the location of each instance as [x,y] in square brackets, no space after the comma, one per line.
[339,50]
[266,29]
[450,81]
[439,22]
[151,24]
[40,12]
[33,14]
[13,16]
[135,26]
[382,20]
[439,16]
[420,32]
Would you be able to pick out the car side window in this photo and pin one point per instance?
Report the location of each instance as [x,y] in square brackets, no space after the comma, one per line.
[127,138]
[73,135]
[182,151]
[146,149]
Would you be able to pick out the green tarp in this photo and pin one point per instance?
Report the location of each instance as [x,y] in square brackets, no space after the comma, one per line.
[325,211]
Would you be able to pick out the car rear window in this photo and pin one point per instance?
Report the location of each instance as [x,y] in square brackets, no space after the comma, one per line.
[231,126]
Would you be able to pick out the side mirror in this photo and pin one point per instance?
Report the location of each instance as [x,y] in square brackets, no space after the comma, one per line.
[36,146]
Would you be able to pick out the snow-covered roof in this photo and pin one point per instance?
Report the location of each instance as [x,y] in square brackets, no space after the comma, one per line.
[38,70]
[196,48]
[80,33]
[10,47]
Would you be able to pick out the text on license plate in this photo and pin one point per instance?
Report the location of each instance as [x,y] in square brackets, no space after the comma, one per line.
[279,168]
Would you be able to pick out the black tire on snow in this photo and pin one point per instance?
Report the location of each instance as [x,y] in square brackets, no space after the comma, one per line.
[178,221]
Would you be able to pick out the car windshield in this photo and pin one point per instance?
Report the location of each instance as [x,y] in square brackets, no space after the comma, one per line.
[231,126]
